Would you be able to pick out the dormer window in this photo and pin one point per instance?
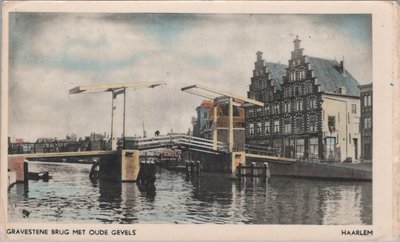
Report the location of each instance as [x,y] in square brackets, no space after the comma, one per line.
[341,90]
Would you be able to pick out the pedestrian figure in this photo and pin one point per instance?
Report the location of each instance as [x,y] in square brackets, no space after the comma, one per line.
[94,170]
[56,144]
[81,144]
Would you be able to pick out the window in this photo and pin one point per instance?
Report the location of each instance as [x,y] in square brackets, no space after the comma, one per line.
[367,123]
[308,88]
[276,126]
[299,125]
[266,110]
[367,100]
[289,148]
[299,105]
[353,108]
[331,123]
[259,111]
[292,76]
[257,128]
[267,128]
[276,109]
[312,103]
[251,129]
[312,123]
[295,91]
[313,148]
[251,113]
[286,107]
[299,148]
[287,127]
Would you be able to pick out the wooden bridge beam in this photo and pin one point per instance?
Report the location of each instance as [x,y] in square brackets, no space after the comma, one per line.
[214,128]
[230,126]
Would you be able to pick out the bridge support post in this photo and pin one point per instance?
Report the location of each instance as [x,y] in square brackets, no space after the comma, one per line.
[120,167]
[129,165]
[214,127]
[230,126]
[16,163]
[237,158]
[113,107]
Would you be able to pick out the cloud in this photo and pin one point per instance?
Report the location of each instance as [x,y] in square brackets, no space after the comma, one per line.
[82,43]
[52,53]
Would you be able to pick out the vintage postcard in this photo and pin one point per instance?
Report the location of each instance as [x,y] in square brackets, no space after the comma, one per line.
[199,120]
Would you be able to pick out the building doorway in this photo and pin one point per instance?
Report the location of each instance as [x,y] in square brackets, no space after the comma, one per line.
[355,142]
[330,148]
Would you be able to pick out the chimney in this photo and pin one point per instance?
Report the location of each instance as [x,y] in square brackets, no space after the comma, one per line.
[342,69]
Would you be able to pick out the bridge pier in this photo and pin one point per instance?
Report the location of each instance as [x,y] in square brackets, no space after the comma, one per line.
[16,164]
[119,166]
[123,166]
[236,159]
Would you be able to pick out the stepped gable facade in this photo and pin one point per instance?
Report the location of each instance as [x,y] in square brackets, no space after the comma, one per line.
[312,108]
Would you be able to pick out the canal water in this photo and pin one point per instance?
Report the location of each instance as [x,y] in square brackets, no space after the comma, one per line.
[175,198]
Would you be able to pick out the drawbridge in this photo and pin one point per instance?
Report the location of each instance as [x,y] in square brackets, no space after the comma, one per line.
[196,144]
[176,141]
[127,166]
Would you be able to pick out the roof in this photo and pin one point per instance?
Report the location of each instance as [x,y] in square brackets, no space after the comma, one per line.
[206,104]
[331,78]
[277,71]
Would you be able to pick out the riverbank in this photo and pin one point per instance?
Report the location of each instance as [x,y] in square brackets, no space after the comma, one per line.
[316,170]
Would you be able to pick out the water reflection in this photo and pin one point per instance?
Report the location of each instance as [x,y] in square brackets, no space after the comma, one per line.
[175,198]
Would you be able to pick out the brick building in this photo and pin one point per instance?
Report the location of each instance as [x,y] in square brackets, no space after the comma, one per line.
[312,108]
[202,124]
[366,122]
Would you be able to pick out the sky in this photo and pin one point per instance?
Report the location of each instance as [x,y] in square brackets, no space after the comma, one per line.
[51,53]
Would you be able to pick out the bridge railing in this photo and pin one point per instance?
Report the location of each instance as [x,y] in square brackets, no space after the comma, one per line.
[177,140]
[166,141]
[262,150]
[60,146]
[192,140]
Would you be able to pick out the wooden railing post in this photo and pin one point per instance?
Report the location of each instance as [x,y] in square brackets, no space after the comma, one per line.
[252,168]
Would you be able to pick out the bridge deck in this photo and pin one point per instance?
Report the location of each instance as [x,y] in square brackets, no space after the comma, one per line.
[271,158]
[66,154]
